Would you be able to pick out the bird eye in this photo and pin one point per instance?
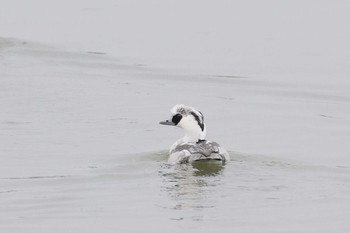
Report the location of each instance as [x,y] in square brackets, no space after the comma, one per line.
[176,118]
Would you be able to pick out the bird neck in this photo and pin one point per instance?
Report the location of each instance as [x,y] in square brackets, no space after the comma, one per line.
[194,136]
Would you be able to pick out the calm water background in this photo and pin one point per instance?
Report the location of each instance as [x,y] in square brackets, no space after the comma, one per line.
[82,150]
[84,84]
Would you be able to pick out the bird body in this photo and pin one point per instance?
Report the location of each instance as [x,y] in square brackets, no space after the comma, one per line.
[193,146]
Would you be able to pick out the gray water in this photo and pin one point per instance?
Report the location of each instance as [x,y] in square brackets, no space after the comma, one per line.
[82,151]
[139,192]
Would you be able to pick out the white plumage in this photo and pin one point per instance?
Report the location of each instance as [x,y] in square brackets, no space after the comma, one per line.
[193,146]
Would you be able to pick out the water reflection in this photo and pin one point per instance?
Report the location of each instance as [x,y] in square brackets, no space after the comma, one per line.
[192,187]
[207,168]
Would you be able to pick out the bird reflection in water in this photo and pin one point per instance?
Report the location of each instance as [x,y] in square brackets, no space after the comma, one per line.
[192,187]
[207,168]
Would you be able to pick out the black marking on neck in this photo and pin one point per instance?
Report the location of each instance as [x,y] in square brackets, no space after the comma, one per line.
[198,119]
[200,141]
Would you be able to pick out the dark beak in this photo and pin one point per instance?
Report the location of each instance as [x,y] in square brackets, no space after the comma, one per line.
[167,122]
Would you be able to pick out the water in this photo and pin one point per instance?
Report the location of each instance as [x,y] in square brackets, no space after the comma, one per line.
[81,150]
[131,195]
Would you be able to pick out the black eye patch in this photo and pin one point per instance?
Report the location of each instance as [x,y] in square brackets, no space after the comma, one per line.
[176,118]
